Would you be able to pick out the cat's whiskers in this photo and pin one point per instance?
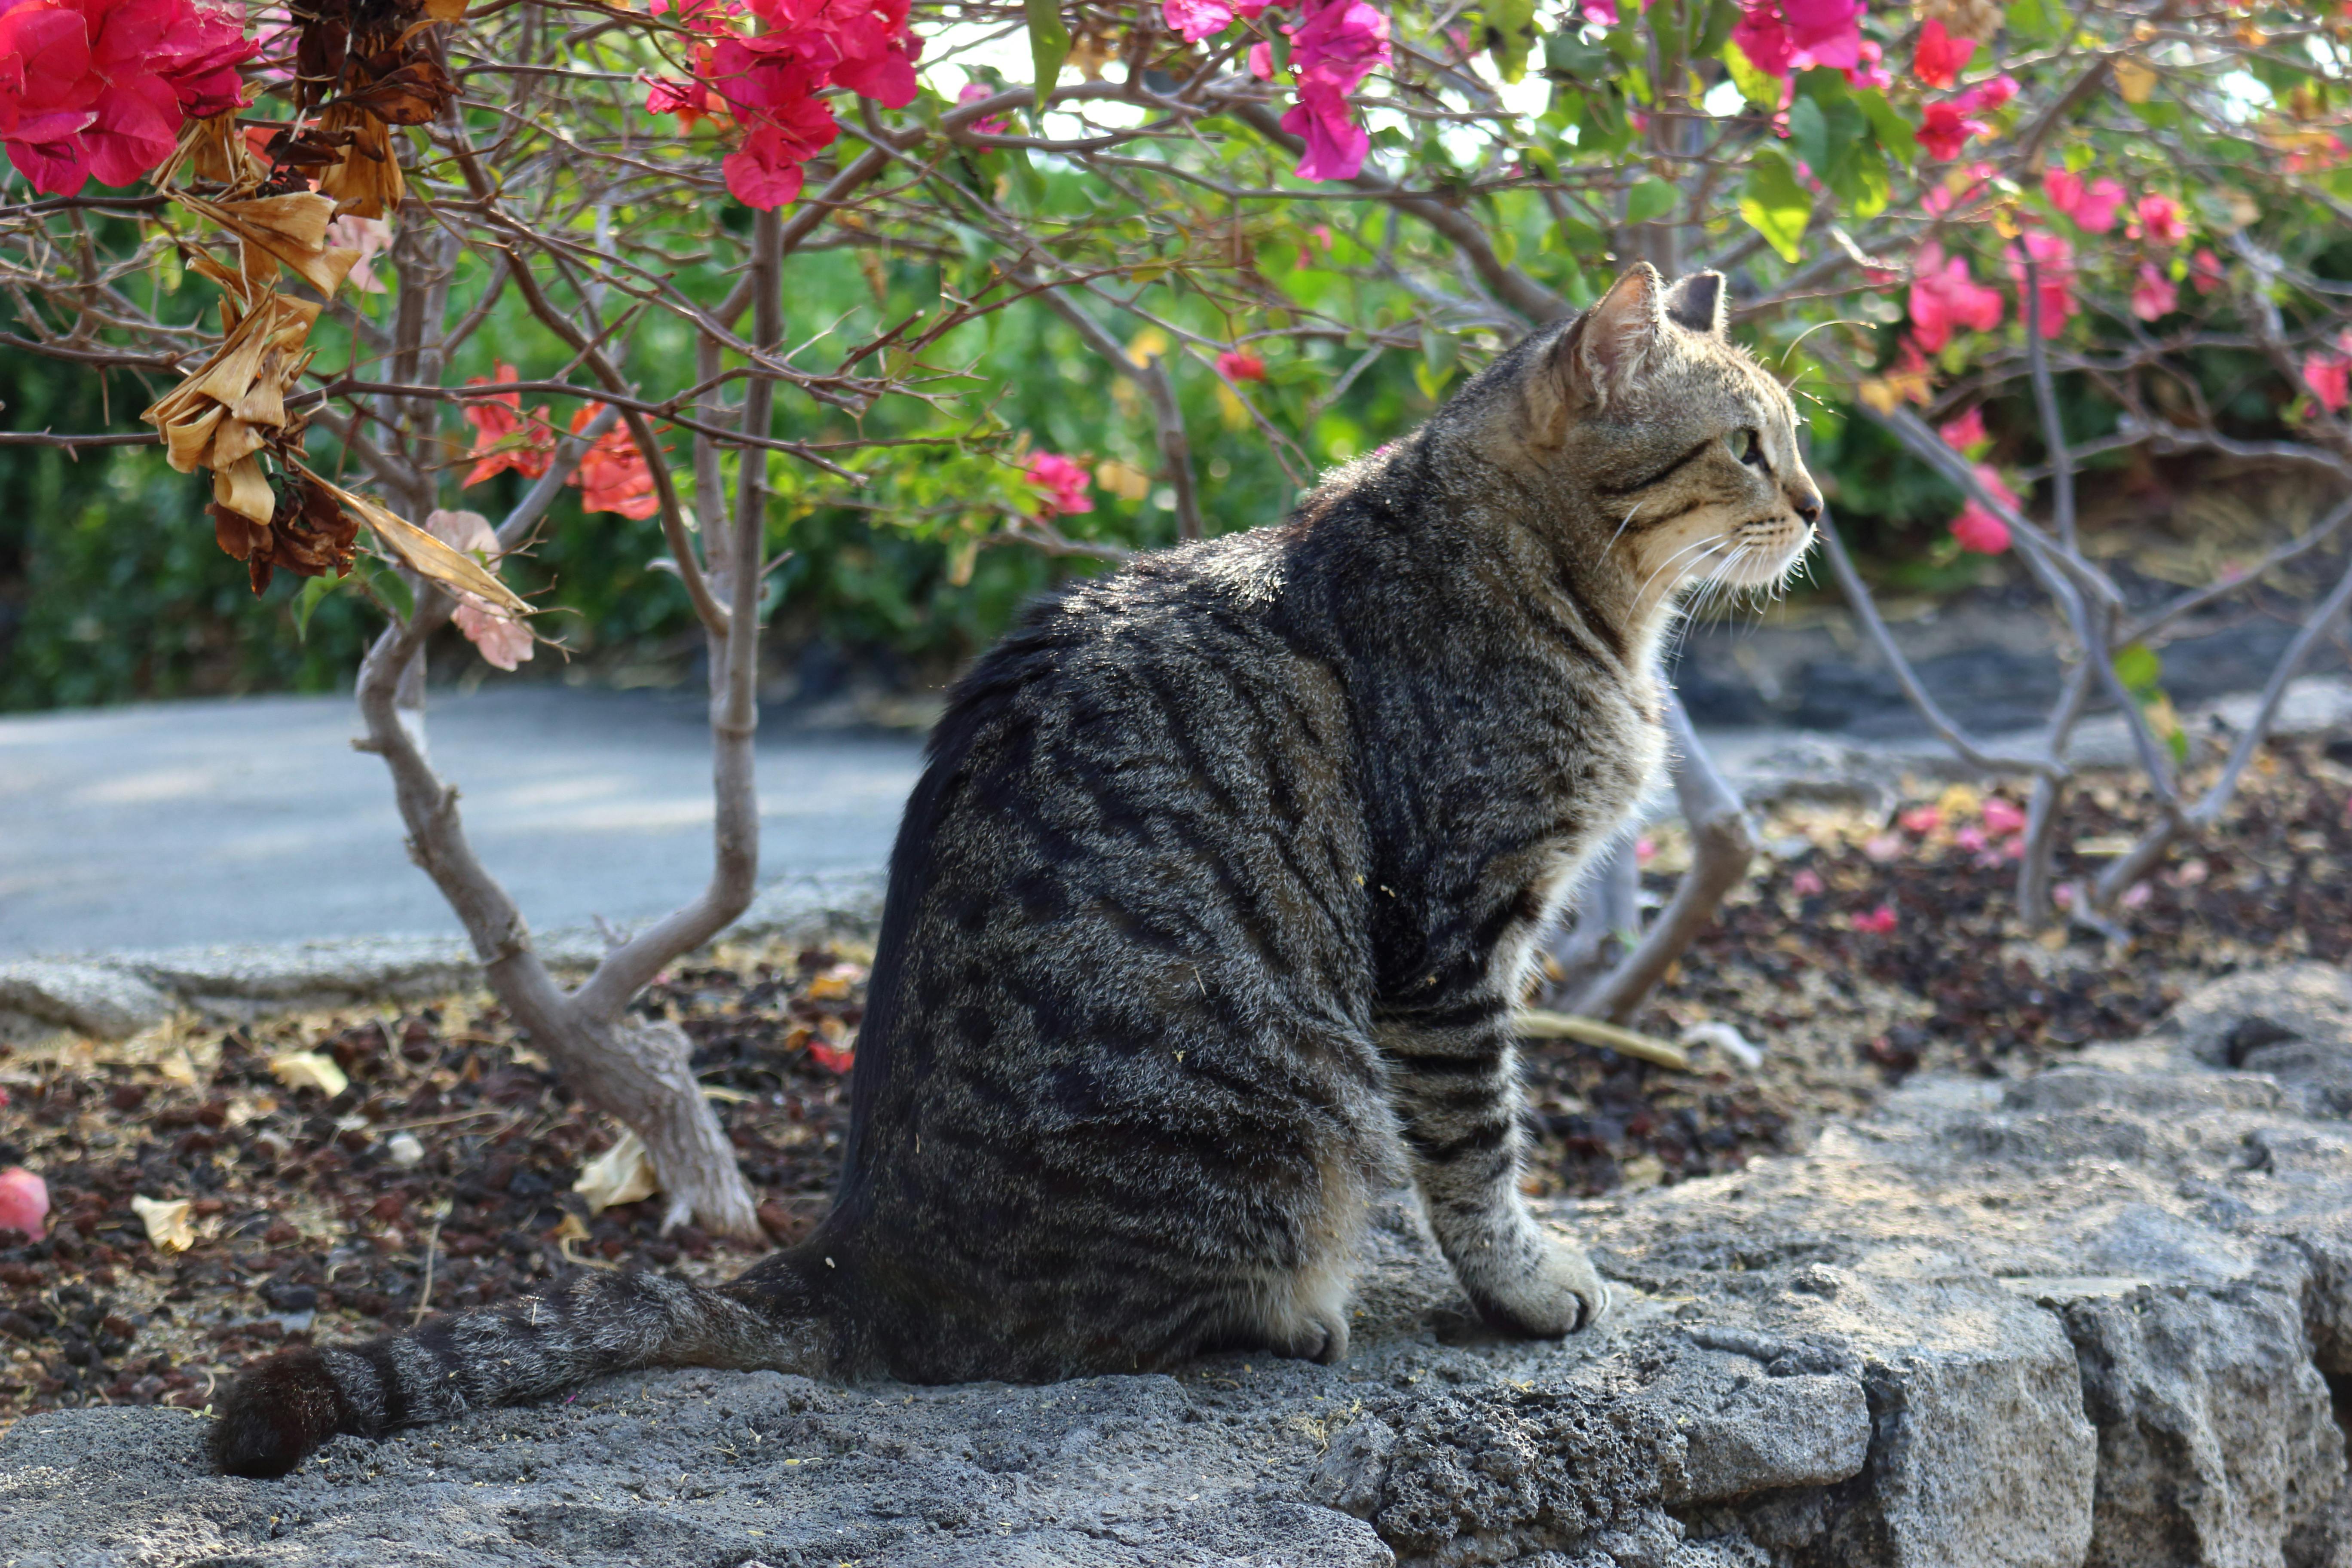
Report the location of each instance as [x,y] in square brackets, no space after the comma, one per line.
[1623,526]
[1642,594]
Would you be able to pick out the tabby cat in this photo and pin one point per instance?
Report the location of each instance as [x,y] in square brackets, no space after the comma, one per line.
[1209,914]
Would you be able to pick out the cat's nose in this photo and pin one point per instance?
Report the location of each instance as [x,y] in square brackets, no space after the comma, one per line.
[1808,504]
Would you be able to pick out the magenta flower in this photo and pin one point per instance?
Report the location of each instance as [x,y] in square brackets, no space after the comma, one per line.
[974,91]
[1967,429]
[2002,818]
[1066,486]
[1943,297]
[1235,365]
[1879,921]
[2330,378]
[1980,531]
[1782,36]
[1945,129]
[1338,45]
[1196,19]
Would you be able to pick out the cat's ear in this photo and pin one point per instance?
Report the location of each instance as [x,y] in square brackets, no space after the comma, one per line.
[1699,302]
[1615,344]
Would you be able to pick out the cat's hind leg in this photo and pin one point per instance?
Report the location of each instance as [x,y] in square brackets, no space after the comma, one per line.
[1454,1081]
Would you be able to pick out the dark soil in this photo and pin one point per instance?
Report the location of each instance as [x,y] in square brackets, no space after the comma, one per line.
[308,1226]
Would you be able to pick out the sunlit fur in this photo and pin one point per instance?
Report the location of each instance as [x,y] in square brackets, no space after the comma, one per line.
[1209,915]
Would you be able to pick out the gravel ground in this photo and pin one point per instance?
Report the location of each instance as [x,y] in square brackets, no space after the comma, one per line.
[1865,948]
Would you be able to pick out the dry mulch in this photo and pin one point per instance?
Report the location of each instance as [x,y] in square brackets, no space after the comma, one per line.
[442,1177]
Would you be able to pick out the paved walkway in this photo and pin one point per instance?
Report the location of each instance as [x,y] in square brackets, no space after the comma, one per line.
[254,821]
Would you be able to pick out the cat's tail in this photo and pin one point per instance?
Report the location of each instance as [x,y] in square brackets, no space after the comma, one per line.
[281,1408]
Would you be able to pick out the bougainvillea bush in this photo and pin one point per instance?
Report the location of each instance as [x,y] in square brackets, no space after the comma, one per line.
[397,281]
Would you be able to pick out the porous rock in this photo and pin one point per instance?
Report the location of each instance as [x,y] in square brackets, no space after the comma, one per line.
[93,999]
[2088,1318]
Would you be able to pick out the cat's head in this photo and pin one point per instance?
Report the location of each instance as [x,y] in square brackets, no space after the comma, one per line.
[1663,446]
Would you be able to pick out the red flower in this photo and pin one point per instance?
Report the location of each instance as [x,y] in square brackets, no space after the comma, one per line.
[2205,271]
[1979,531]
[1235,365]
[1064,483]
[2330,378]
[500,440]
[99,89]
[612,477]
[832,1057]
[1940,57]
[1945,129]
[769,82]
[1879,921]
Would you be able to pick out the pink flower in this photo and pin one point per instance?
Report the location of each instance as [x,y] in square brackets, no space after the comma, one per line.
[1948,193]
[2330,377]
[1064,482]
[1945,131]
[1196,19]
[2154,297]
[493,630]
[1807,883]
[1261,61]
[2002,818]
[368,236]
[1601,11]
[976,91]
[2054,261]
[1940,57]
[2205,272]
[1235,365]
[1987,96]
[1883,847]
[1921,819]
[1967,430]
[1979,531]
[1943,296]
[1970,839]
[1879,921]
[1978,528]
[2093,206]
[24,1201]
[2160,221]
[1644,851]
[1872,72]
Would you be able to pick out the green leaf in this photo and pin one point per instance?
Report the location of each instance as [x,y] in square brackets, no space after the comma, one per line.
[1510,34]
[306,600]
[1887,122]
[1651,199]
[1758,87]
[1774,203]
[1808,133]
[1568,57]
[2036,19]
[2140,667]
[1049,45]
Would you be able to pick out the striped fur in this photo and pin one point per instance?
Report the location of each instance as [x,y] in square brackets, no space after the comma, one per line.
[1207,917]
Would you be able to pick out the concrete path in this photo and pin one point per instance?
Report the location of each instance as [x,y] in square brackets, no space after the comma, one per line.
[167,824]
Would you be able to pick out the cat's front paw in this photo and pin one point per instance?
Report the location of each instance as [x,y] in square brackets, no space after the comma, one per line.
[1561,1295]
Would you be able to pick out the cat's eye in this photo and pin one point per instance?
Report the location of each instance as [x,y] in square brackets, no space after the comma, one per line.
[1748,447]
